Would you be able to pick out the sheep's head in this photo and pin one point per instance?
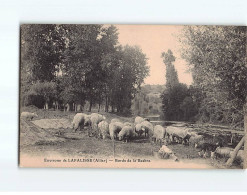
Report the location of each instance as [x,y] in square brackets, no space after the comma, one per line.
[120,137]
[87,121]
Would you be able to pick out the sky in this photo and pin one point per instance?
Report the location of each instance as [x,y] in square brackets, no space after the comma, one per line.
[153,40]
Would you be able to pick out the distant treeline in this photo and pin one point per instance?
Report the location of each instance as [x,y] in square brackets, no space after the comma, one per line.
[65,66]
[148,101]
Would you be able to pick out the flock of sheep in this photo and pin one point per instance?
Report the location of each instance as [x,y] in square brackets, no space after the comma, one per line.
[127,131]
[171,134]
[117,129]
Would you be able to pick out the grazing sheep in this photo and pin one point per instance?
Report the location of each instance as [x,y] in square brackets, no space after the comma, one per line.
[78,121]
[87,121]
[159,133]
[148,128]
[166,153]
[178,134]
[194,139]
[221,152]
[28,115]
[205,148]
[95,120]
[138,129]
[103,129]
[225,153]
[114,129]
[115,120]
[126,133]
[139,120]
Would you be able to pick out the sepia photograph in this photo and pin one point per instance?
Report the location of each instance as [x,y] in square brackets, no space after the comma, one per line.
[132,96]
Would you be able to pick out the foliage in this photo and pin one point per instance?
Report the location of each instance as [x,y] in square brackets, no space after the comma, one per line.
[216,56]
[80,63]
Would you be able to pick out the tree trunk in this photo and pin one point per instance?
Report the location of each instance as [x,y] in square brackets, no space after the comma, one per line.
[68,107]
[240,144]
[46,106]
[235,152]
[78,107]
[90,106]
[99,107]
[106,104]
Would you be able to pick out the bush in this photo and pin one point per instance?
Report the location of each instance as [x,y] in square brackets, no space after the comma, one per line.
[32,99]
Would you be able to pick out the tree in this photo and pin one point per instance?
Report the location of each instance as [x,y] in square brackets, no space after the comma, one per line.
[41,47]
[129,76]
[172,98]
[171,73]
[217,58]
[47,90]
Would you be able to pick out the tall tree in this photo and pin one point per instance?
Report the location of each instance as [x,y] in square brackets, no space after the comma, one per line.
[217,57]
[171,73]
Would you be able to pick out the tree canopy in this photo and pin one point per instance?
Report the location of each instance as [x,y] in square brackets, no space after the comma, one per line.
[82,63]
[216,56]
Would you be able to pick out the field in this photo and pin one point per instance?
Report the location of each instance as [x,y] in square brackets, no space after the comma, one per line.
[51,135]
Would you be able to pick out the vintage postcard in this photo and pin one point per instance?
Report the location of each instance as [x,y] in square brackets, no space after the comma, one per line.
[132,96]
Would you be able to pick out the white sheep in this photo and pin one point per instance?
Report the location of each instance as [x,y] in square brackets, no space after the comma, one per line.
[87,121]
[148,128]
[28,115]
[195,139]
[221,152]
[159,133]
[126,133]
[78,121]
[138,129]
[139,120]
[95,120]
[181,134]
[167,153]
[103,129]
[114,129]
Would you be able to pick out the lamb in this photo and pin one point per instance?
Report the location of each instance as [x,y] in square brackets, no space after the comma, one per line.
[139,120]
[103,129]
[126,133]
[159,133]
[28,115]
[78,121]
[148,128]
[114,129]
